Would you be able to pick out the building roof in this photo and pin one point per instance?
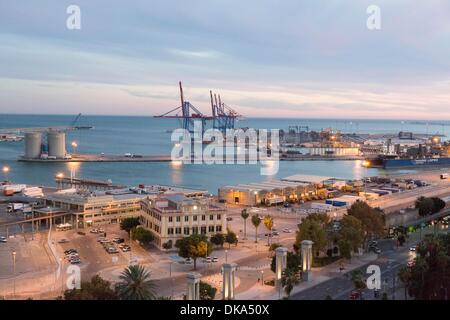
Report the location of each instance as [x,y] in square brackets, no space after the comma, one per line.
[307,178]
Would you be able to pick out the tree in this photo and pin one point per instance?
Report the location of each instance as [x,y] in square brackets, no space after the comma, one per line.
[438,204]
[231,238]
[372,219]
[194,246]
[135,284]
[256,221]
[129,223]
[428,278]
[288,280]
[425,206]
[358,279]
[245,215]
[314,230]
[268,223]
[96,289]
[142,235]
[218,239]
[207,292]
[345,248]
[293,262]
[405,277]
[351,230]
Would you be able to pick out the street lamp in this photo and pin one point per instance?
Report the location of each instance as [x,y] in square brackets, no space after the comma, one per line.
[14,273]
[262,277]
[74,147]
[226,256]
[5,172]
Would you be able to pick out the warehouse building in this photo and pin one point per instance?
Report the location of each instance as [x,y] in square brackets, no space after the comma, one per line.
[268,193]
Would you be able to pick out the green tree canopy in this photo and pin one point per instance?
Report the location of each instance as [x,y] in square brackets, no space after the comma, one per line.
[95,289]
[372,219]
[315,230]
[231,238]
[351,230]
[429,276]
[218,239]
[194,246]
[129,223]
[207,292]
[142,235]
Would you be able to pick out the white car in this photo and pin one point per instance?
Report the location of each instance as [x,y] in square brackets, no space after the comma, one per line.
[3,240]
[412,249]
[287,230]
[188,261]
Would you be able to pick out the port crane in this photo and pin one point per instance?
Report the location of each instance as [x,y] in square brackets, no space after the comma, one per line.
[223,117]
[187,113]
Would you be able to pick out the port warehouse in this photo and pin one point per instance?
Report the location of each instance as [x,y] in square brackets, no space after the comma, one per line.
[297,187]
[170,213]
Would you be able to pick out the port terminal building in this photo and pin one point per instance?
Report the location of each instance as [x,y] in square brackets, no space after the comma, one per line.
[93,208]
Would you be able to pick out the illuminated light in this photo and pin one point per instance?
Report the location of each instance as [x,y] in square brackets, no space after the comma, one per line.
[5,169]
[194,207]
[366,163]
[60,175]
[74,144]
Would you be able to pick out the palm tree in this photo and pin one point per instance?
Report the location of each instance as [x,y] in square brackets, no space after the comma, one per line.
[245,215]
[256,221]
[268,222]
[135,284]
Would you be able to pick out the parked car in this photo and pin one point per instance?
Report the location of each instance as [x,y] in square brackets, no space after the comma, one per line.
[126,248]
[188,261]
[207,260]
[112,250]
[75,260]
[215,259]
[275,233]
[63,240]
[70,251]
[118,240]
[287,230]
[94,231]
[3,240]
[412,249]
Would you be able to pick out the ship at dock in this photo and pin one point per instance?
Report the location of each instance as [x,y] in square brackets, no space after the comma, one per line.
[410,152]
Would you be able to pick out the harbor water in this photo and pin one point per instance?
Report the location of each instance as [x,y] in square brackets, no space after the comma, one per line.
[149,136]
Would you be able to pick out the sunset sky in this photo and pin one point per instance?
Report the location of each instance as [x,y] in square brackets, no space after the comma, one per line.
[290,58]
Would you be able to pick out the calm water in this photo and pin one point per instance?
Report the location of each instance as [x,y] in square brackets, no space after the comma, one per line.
[146,135]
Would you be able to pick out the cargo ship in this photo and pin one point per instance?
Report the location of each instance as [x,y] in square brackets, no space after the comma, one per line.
[392,162]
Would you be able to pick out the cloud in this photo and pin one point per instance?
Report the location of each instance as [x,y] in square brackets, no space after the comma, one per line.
[271,58]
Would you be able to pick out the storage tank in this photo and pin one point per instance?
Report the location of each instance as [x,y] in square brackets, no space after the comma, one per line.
[56,144]
[33,145]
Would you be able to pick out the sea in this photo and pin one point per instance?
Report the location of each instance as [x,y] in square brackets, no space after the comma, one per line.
[150,136]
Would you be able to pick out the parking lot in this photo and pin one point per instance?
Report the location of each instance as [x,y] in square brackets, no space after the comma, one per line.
[95,255]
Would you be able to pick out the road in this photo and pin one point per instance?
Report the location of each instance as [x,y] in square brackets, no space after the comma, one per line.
[390,261]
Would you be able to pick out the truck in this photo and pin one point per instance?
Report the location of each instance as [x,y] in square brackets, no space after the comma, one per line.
[274,200]
[33,192]
[13,207]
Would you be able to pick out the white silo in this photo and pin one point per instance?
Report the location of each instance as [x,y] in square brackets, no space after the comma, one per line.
[33,142]
[56,144]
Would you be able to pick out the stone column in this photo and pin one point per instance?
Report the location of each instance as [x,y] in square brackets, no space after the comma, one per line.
[280,263]
[306,246]
[228,284]
[193,289]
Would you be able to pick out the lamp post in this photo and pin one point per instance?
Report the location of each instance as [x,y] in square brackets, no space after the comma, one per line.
[14,273]
[59,177]
[226,256]
[6,170]
[74,147]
